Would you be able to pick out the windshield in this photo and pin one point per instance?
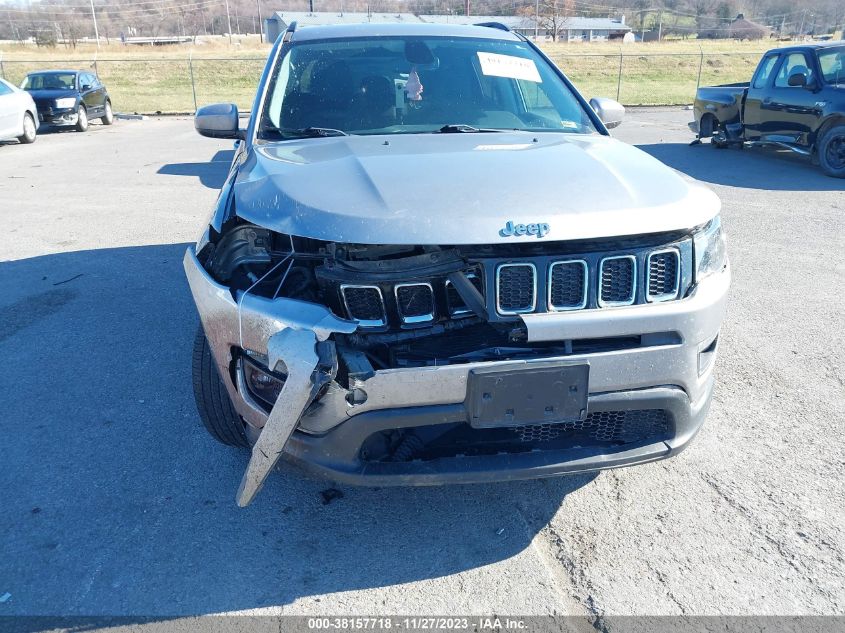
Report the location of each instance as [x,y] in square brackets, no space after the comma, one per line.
[50,81]
[402,85]
[832,62]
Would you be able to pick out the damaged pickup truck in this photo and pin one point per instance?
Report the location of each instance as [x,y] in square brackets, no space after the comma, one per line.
[430,263]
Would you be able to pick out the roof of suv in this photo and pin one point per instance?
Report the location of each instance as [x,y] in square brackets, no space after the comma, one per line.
[345,31]
[812,46]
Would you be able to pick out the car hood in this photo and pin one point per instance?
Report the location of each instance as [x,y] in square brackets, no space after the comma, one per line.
[464,188]
[51,94]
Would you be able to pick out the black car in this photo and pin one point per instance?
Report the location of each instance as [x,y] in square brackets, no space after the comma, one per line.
[69,98]
[795,100]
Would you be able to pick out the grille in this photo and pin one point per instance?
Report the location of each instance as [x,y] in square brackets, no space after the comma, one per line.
[663,277]
[568,285]
[364,304]
[618,276]
[603,426]
[457,306]
[415,302]
[516,288]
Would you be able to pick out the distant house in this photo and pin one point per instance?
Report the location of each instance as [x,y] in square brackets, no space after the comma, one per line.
[737,29]
[742,29]
[592,29]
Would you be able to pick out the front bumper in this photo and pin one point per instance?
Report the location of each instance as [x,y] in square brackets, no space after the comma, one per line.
[674,373]
[58,117]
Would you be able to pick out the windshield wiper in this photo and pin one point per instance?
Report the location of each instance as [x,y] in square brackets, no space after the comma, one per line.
[307,132]
[458,128]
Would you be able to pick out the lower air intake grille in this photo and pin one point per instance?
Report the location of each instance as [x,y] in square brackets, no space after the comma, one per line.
[663,277]
[516,288]
[618,277]
[568,285]
[604,426]
[364,304]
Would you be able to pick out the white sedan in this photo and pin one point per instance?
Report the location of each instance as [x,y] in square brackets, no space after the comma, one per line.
[18,116]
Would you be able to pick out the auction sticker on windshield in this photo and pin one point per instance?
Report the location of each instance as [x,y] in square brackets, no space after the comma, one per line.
[509,66]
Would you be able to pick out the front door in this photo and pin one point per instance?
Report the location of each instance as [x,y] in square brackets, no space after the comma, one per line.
[793,111]
[91,94]
[9,110]
[754,119]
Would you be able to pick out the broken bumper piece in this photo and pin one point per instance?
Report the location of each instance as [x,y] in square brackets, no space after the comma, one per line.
[662,387]
[288,331]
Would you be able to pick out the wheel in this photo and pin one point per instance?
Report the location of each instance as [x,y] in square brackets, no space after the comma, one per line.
[831,152]
[81,119]
[28,130]
[108,117]
[706,126]
[213,404]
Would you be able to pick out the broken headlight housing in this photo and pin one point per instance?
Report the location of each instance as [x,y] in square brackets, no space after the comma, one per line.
[264,385]
[711,254]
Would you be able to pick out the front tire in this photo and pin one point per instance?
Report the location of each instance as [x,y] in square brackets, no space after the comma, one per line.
[213,404]
[706,126]
[831,152]
[29,130]
[108,117]
[81,119]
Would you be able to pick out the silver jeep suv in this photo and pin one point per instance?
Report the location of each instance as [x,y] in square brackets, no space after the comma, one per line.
[431,263]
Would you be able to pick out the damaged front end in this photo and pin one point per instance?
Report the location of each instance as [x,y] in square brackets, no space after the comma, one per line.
[406,364]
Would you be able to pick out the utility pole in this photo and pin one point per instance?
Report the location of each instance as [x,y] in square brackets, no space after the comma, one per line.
[96,30]
[537,21]
[228,20]
[260,23]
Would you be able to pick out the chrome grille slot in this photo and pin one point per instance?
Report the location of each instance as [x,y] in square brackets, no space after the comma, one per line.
[415,302]
[567,285]
[364,304]
[516,288]
[457,306]
[617,281]
[664,275]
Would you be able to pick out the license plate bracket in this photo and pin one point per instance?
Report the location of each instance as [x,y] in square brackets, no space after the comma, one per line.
[537,393]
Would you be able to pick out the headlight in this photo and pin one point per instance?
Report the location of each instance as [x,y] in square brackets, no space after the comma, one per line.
[67,102]
[261,383]
[711,254]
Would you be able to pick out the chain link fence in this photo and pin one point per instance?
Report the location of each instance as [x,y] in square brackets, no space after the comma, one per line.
[174,85]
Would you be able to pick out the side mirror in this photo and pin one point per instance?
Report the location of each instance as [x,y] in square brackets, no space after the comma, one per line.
[219,120]
[85,87]
[610,112]
[797,80]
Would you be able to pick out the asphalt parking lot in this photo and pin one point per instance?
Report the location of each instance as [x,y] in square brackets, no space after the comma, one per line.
[115,501]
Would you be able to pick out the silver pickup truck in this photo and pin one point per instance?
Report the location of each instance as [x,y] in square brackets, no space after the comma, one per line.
[431,263]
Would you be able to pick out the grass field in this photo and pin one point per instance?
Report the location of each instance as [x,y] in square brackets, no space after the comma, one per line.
[150,80]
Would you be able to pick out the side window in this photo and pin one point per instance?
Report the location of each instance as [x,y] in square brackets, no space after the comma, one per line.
[4,89]
[761,78]
[793,63]
[85,80]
